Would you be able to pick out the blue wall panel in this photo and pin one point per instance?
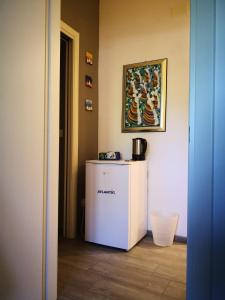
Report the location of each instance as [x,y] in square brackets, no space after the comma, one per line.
[206,211]
[201,150]
[218,263]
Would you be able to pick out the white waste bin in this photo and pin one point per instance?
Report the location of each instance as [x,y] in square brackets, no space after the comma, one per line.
[163,227]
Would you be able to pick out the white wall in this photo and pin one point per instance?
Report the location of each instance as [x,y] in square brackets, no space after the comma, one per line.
[135,31]
[22,115]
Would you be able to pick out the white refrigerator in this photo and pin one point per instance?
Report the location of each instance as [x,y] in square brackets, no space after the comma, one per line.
[116,202]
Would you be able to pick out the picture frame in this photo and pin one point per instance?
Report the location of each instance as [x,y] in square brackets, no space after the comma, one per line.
[88,81]
[89,58]
[88,105]
[144,96]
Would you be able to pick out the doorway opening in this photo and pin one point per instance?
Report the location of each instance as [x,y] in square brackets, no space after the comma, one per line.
[68,132]
[120,274]
[64,134]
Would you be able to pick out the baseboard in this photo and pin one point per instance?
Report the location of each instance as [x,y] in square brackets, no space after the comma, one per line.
[177,238]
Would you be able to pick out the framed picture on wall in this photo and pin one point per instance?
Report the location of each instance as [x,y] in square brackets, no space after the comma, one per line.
[88,81]
[88,105]
[144,96]
[89,58]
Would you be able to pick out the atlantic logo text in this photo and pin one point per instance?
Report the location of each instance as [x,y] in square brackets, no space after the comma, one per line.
[106,192]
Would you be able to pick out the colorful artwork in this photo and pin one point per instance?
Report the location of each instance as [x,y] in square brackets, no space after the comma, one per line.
[89,58]
[144,102]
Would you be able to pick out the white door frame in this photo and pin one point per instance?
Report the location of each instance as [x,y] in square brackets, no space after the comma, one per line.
[71,211]
[50,234]
[50,239]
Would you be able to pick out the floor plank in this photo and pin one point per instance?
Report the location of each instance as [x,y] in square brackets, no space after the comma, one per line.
[90,271]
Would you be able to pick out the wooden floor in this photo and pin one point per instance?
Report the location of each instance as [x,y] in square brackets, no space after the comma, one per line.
[89,271]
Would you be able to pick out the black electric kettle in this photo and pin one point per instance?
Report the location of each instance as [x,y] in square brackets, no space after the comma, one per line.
[139,149]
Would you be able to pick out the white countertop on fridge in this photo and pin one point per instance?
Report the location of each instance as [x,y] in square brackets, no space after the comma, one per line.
[117,162]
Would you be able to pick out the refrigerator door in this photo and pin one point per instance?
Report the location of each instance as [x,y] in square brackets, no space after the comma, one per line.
[106,208]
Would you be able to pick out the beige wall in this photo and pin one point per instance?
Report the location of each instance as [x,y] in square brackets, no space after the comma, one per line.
[22,128]
[83,16]
[131,32]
